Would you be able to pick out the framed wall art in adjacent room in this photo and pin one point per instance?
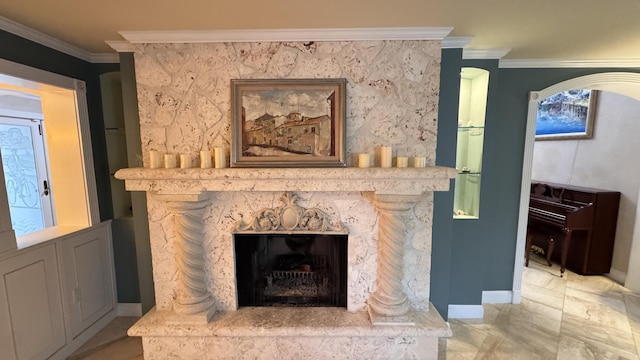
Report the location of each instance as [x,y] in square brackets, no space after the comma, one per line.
[567,115]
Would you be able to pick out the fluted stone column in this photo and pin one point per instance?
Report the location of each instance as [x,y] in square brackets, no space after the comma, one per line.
[389,298]
[192,296]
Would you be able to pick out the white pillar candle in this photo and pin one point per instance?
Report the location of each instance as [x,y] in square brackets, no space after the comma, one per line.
[155,159]
[420,161]
[402,161]
[205,159]
[386,156]
[186,161]
[170,161]
[364,160]
[220,157]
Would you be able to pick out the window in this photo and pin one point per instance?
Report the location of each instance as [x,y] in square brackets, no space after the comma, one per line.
[25,173]
[59,164]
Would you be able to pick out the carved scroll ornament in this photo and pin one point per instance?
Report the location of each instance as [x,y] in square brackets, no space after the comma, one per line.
[290,218]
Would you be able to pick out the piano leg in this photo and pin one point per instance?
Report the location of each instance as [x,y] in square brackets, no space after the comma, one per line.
[551,245]
[565,249]
[527,251]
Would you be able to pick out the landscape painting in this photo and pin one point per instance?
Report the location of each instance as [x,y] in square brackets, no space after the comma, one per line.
[288,122]
[566,115]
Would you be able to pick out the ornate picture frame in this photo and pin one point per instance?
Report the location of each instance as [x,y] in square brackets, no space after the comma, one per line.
[567,115]
[288,122]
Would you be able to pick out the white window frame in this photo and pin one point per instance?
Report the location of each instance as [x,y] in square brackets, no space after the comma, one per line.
[26,77]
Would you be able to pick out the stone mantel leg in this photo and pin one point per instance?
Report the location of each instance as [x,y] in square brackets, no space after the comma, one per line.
[389,298]
[192,296]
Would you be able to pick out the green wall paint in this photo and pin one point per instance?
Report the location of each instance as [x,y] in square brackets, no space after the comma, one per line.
[503,162]
[468,257]
[441,256]
[22,51]
[138,198]
[483,251]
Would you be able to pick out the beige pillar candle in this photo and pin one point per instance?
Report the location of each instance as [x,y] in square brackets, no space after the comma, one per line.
[170,161]
[364,160]
[205,159]
[420,161]
[402,161]
[186,161]
[155,159]
[220,157]
[386,156]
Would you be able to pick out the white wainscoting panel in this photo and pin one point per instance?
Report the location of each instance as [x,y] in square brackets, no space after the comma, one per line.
[30,302]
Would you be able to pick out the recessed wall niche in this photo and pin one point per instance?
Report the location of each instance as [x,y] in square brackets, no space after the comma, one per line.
[474,84]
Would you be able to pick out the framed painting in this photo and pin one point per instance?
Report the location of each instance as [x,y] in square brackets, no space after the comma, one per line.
[288,123]
[566,115]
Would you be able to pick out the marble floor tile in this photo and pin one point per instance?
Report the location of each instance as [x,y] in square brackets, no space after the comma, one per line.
[574,349]
[545,277]
[603,310]
[111,343]
[544,296]
[129,348]
[597,335]
[572,317]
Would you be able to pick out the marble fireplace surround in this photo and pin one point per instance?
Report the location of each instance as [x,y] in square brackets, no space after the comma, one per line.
[393,82]
[195,316]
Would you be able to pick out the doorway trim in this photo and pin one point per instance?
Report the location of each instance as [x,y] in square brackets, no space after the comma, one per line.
[620,82]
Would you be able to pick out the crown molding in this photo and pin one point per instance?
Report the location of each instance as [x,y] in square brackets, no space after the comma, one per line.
[475,54]
[455,42]
[28,33]
[120,45]
[550,63]
[274,35]
[104,58]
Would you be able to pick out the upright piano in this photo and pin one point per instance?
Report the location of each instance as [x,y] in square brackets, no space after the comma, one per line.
[582,221]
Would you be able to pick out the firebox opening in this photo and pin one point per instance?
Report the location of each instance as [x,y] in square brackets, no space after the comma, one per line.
[291,270]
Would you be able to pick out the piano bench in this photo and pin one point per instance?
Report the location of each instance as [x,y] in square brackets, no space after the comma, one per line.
[542,241]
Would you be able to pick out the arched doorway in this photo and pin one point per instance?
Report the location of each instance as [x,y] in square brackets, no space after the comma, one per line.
[619,82]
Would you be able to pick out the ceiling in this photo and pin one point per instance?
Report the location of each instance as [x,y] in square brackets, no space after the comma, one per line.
[570,30]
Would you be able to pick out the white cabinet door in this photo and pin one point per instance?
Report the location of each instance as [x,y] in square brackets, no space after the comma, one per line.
[88,277]
[31,317]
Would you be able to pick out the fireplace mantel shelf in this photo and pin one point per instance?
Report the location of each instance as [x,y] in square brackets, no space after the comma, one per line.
[380,180]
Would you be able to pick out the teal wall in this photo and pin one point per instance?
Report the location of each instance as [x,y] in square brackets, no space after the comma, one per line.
[138,198]
[22,51]
[483,251]
[504,152]
[441,247]
[468,256]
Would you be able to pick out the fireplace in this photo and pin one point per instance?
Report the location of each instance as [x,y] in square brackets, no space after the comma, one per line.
[291,270]
[376,214]
[197,215]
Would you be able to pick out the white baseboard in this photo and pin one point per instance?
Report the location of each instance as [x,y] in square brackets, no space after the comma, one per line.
[497,297]
[466,311]
[617,276]
[516,297]
[130,309]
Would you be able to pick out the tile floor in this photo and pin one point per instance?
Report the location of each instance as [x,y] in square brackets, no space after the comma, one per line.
[570,318]
[111,343]
[566,318]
